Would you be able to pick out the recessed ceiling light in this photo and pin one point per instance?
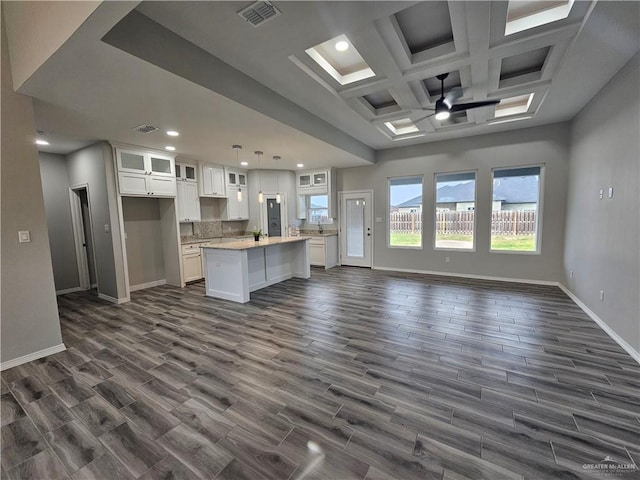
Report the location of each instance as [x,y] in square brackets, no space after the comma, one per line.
[347,66]
[172,133]
[300,165]
[170,148]
[42,142]
[244,164]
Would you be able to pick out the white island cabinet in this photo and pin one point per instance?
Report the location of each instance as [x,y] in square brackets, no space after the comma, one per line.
[234,269]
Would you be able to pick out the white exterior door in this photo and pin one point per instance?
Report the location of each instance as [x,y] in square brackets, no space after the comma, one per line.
[356,229]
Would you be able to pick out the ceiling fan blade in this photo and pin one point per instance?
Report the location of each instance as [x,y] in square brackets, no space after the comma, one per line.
[467,106]
[452,95]
[423,118]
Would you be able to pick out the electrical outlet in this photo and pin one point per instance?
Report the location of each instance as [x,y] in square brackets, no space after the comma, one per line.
[602,295]
[107,228]
[24,236]
[601,194]
[447,259]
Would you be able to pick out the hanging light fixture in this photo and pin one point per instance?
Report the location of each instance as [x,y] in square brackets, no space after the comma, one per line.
[278,198]
[260,194]
[237,148]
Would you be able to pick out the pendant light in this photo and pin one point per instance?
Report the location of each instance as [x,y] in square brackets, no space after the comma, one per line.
[278,199]
[237,148]
[260,194]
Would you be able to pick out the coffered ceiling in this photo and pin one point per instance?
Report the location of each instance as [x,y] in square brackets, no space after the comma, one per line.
[268,78]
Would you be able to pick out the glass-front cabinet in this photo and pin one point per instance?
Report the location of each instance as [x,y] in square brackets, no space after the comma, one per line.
[315,180]
[186,172]
[304,180]
[146,173]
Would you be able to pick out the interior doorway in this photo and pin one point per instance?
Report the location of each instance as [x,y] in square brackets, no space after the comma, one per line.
[83,237]
[274,216]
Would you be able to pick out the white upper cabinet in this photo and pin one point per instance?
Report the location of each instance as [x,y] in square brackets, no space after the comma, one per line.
[237,209]
[313,183]
[236,178]
[145,173]
[188,202]
[187,189]
[186,172]
[212,182]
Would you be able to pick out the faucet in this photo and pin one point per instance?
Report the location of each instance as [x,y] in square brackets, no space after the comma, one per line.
[320,229]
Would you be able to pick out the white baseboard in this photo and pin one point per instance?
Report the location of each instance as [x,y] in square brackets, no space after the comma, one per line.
[69,290]
[32,356]
[117,301]
[466,275]
[142,286]
[602,324]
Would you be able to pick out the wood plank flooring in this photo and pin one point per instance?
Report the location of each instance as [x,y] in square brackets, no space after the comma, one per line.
[353,374]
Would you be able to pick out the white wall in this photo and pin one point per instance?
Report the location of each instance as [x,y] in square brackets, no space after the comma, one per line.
[546,145]
[602,246]
[30,320]
[55,188]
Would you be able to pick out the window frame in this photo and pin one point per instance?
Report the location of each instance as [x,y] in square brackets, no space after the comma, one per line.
[539,223]
[388,229]
[435,210]
[311,210]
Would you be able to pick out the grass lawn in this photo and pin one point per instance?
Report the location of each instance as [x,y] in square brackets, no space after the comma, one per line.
[406,239]
[521,243]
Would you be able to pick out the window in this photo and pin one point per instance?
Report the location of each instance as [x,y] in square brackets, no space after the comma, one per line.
[405,212]
[319,209]
[515,214]
[455,210]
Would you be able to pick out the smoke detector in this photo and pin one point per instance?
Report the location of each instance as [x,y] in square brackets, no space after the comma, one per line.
[258,13]
[144,128]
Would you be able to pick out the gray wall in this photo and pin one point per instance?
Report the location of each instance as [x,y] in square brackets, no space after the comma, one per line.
[603,236]
[548,145]
[91,166]
[55,188]
[145,257]
[30,320]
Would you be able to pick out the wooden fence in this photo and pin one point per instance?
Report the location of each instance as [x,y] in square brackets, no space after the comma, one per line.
[504,222]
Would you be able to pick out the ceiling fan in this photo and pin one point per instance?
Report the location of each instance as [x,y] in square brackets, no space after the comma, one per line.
[445,105]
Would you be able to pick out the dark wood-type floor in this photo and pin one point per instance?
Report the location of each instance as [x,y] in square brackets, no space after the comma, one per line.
[352,374]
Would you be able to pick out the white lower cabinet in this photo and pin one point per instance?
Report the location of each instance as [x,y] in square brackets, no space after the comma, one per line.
[323,251]
[192,262]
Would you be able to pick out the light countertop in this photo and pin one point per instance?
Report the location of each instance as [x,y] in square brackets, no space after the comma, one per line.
[248,244]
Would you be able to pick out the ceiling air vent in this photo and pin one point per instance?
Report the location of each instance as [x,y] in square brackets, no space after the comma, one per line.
[145,128]
[258,13]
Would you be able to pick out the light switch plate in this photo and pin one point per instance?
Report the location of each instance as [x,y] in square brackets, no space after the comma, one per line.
[24,236]
[107,228]
[378,219]
[610,192]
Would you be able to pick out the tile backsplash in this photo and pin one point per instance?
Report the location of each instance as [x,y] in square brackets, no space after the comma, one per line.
[212,229]
[207,229]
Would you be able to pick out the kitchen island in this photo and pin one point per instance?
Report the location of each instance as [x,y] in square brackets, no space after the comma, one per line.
[234,269]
